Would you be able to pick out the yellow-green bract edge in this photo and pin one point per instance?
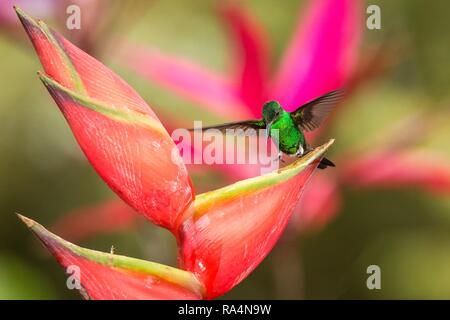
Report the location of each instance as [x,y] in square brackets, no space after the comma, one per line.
[127,115]
[257,184]
[26,19]
[173,275]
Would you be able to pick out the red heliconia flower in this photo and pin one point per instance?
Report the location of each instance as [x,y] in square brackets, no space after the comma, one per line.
[222,235]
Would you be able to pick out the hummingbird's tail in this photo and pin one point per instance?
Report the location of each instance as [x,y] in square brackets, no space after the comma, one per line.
[324,163]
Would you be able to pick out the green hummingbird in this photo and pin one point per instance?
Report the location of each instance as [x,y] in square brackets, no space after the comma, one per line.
[287,128]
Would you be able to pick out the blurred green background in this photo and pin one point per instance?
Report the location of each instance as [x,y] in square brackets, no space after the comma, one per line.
[43,173]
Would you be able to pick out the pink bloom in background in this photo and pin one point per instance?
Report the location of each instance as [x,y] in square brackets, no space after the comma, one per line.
[98,19]
[404,168]
[41,9]
[321,56]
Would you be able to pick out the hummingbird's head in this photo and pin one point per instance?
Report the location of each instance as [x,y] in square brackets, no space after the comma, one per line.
[271,111]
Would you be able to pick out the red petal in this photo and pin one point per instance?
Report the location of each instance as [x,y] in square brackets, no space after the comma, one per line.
[110,276]
[212,91]
[252,56]
[107,217]
[228,232]
[399,169]
[116,129]
[322,52]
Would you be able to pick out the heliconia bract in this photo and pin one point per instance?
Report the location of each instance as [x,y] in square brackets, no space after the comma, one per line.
[116,129]
[222,235]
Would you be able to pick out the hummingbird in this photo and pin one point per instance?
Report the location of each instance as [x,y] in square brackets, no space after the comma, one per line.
[287,128]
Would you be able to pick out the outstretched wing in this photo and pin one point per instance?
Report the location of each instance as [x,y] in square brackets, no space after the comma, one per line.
[310,115]
[248,127]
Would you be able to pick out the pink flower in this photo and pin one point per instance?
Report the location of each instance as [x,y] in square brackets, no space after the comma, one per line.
[320,58]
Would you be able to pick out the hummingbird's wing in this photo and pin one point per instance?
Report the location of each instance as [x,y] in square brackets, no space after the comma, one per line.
[310,115]
[248,127]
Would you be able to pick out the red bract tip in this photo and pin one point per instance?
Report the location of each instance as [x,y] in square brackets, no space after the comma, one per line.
[109,276]
[118,132]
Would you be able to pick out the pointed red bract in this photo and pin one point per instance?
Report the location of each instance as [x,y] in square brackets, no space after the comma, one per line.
[226,233]
[107,276]
[105,283]
[119,133]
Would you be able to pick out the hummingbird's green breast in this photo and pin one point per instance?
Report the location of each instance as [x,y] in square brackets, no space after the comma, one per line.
[289,136]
